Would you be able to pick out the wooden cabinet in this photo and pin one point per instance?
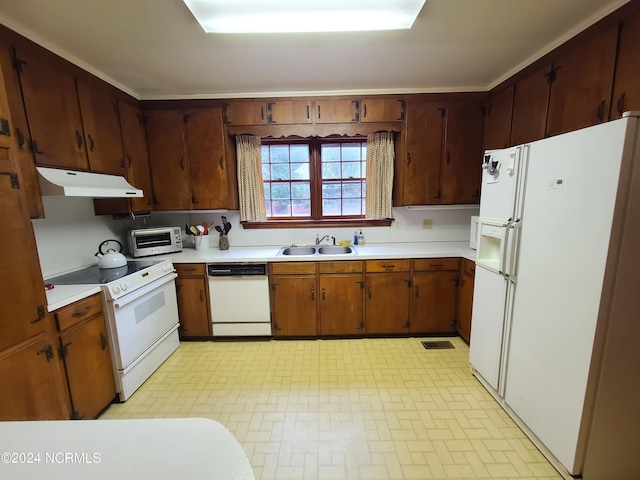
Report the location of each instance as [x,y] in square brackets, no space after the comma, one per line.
[424,144]
[382,110]
[337,111]
[341,286]
[101,129]
[433,302]
[530,106]
[465,298]
[84,348]
[188,165]
[461,172]
[53,111]
[245,113]
[497,120]
[290,112]
[626,85]
[192,287]
[387,293]
[582,80]
[294,299]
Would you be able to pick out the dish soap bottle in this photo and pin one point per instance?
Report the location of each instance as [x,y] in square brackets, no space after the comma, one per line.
[360,238]
[355,237]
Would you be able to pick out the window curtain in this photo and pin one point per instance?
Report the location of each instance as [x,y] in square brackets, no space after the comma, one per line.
[380,155]
[250,186]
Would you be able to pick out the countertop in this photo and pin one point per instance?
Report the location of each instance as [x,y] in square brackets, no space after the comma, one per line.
[63,295]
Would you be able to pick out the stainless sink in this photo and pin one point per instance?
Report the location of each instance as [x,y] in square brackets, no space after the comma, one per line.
[317,250]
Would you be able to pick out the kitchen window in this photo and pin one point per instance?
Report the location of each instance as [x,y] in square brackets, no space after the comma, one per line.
[315,179]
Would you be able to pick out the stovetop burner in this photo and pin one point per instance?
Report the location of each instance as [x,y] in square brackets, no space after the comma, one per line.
[100,276]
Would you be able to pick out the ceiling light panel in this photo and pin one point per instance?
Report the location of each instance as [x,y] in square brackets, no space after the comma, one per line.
[280,16]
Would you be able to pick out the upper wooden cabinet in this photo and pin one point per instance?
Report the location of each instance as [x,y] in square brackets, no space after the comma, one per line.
[245,113]
[337,111]
[581,86]
[626,86]
[101,129]
[382,110]
[530,106]
[497,120]
[290,112]
[53,111]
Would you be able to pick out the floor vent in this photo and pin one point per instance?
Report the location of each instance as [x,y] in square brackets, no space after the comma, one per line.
[438,345]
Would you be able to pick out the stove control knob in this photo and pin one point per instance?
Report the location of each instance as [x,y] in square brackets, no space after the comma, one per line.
[124,286]
[166,268]
[116,289]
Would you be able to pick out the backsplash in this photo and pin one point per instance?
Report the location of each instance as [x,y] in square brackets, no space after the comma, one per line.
[69,236]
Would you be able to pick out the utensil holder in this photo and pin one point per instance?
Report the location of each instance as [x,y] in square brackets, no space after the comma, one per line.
[202,242]
[223,243]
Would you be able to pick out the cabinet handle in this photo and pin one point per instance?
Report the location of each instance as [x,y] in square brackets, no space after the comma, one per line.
[128,160]
[620,104]
[323,293]
[361,326]
[261,113]
[448,158]
[81,313]
[438,194]
[201,296]
[360,283]
[601,110]
[182,164]
[477,194]
[122,164]
[318,111]
[194,199]
[369,292]
[307,111]
[103,341]
[91,143]
[408,282]
[436,265]
[365,111]
[408,158]
[388,266]
[221,164]
[189,269]
[313,294]
[417,291]
[408,324]
[78,139]
[275,326]
[20,136]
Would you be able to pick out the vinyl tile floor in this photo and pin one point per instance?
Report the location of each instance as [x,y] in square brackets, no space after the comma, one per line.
[344,409]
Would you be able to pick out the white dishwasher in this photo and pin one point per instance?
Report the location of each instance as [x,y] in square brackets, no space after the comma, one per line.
[239,296]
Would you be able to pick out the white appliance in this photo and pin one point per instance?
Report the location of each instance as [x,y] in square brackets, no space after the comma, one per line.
[141,312]
[239,296]
[473,233]
[555,332]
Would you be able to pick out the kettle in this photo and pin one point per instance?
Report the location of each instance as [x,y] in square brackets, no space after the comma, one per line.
[110,258]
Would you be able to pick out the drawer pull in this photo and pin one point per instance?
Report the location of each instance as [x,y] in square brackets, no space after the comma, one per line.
[313,294]
[103,341]
[436,265]
[81,313]
[388,266]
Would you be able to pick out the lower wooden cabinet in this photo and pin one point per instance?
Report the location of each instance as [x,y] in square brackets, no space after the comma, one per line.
[433,302]
[387,294]
[341,310]
[465,298]
[84,348]
[192,287]
[294,309]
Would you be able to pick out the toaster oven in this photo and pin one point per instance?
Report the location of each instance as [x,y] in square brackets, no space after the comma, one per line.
[144,242]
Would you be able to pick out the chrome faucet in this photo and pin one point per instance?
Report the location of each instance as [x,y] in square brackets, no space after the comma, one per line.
[319,240]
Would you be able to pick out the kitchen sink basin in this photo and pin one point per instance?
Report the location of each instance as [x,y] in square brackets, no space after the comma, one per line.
[317,250]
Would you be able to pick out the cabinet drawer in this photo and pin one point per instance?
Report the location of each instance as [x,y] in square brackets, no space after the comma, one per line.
[388,266]
[293,268]
[77,312]
[468,267]
[340,267]
[193,269]
[428,264]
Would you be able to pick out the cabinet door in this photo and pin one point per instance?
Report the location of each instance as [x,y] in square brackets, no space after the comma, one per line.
[465,299]
[626,86]
[530,107]
[207,165]
[337,111]
[382,110]
[51,102]
[387,303]
[136,155]
[433,306]
[245,113]
[294,306]
[168,158]
[193,307]
[341,311]
[461,170]
[20,132]
[290,112]
[31,381]
[580,92]
[101,129]
[423,147]
[89,370]
[497,120]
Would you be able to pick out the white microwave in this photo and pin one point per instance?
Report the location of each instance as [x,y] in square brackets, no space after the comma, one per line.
[473,234]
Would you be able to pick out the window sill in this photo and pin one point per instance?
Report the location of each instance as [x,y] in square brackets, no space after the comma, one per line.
[343,222]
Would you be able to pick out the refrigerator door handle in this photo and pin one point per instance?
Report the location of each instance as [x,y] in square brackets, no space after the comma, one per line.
[511,249]
[504,251]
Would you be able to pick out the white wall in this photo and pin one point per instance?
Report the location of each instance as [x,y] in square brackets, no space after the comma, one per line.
[69,236]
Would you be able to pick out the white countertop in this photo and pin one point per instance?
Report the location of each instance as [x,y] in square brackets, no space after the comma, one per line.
[63,295]
[159,449]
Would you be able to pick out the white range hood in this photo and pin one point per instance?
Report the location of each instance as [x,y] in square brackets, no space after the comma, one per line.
[68,183]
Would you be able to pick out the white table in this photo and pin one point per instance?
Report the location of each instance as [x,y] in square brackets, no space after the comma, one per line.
[159,449]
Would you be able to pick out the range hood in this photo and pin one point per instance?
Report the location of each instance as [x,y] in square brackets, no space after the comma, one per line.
[68,183]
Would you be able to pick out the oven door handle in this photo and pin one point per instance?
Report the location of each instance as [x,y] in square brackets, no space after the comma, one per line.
[136,294]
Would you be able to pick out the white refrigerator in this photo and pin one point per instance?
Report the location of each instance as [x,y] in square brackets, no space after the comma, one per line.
[556,320]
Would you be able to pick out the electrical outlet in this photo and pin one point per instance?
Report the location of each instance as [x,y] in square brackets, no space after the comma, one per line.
[427,223]
[396,223]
